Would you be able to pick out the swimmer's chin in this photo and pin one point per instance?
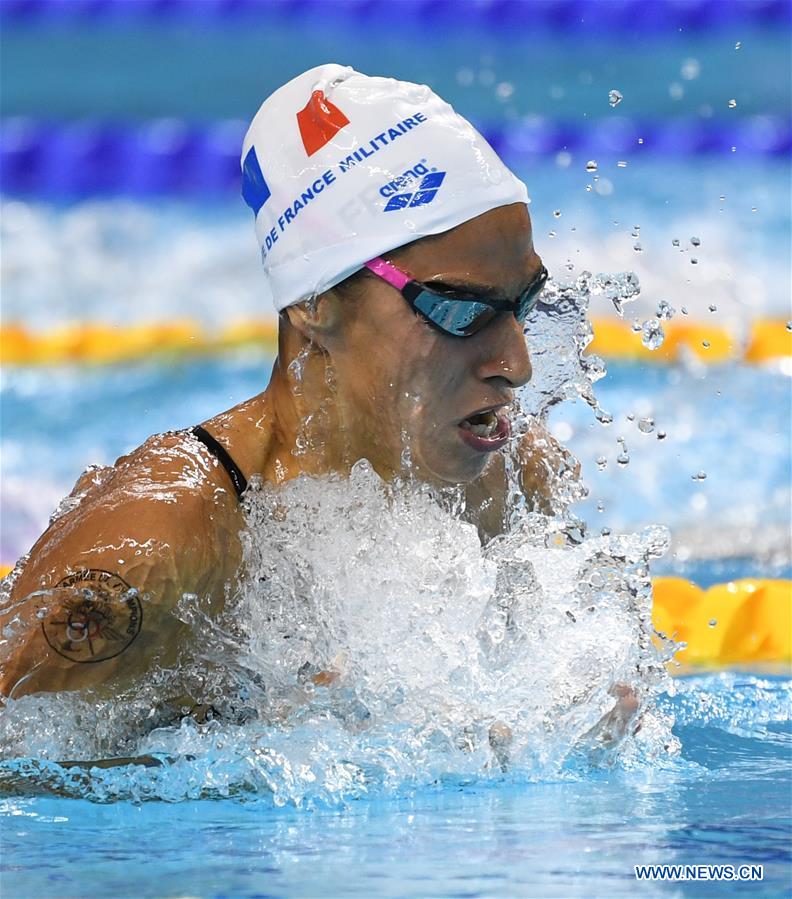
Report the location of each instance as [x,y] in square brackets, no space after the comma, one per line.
[440,473]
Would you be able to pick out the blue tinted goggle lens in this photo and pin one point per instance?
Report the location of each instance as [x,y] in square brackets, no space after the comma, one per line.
[460,318]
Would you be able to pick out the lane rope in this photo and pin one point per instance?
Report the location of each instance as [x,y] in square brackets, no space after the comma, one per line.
[588,16]
[177,157]
[93,343]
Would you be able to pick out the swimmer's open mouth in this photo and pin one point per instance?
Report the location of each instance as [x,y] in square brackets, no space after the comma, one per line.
[487,430]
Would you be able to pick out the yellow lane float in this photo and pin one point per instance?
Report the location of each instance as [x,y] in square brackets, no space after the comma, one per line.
[738,623]
[768,339]
[96,344]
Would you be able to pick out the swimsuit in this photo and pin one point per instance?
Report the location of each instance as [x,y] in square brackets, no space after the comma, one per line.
[221,454]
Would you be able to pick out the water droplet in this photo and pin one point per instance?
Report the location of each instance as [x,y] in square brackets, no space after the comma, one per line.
[637,247]
[676,91]
[665,310]
[600,506]
[789,326]
[591,165]
[705,344]
[630,416]
[732,104]
[699,476]
[557,213]
[661,435]
[636,326]
[623,457]
[722,198]
[605,532]
[589,188]
[712,307]
[636,232]
[753,209]
[640,140]
[601,462]
[653,334]
[465,77]
[684,310]
[690,70]
[504,90]
[738,45]
[695,241]
[646,425]
[486,77]
[603,417]
[693,260]
[615,97]
[551,234]
[675,242]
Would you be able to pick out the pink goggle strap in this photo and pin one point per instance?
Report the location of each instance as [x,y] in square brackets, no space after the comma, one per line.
[383,269]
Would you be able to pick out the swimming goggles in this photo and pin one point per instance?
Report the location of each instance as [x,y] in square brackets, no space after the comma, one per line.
[458,317]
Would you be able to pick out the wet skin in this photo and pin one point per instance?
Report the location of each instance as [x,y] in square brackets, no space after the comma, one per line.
[358,375]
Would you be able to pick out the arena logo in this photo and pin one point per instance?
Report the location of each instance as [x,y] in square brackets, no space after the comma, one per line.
[426,192]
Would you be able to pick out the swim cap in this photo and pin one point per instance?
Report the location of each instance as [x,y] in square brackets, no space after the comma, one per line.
[340,167]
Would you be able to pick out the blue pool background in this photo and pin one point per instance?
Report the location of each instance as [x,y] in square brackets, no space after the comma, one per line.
[121,126]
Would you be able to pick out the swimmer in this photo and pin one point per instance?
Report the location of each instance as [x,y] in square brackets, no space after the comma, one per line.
[398,250]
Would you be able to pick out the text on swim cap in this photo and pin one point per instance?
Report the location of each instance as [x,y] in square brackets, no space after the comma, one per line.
[328,177]
[381,140]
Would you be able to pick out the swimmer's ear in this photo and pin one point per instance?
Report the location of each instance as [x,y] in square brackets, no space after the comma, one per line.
[316,319]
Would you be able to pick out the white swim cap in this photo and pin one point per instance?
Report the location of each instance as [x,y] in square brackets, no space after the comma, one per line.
[339,167]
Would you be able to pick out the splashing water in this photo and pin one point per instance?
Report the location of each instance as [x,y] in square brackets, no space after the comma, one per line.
[373,644]
[652,334]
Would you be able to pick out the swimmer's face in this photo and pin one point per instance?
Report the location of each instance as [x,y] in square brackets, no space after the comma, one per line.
[408,391]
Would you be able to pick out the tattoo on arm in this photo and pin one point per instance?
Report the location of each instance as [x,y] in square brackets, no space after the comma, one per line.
[100,617]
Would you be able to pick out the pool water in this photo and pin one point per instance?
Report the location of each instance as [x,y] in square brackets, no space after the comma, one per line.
[725,801]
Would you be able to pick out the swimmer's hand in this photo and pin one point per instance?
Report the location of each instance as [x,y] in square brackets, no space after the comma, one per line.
[614,726]
[500,739]
[323,677]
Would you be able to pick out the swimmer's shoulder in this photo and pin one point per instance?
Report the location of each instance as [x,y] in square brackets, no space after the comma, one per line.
[133,540]
[164,502]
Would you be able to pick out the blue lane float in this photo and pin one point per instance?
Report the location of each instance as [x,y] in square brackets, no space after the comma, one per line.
[566,15]
[172,156]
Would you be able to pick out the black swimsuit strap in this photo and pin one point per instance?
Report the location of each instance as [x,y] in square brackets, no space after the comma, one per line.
[221,454]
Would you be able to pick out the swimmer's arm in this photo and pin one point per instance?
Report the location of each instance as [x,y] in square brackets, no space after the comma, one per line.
[95,602]
[544,465]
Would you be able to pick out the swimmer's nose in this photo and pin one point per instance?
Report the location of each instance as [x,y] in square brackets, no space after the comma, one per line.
[505,352]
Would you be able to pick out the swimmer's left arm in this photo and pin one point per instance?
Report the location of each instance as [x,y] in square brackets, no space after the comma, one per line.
[544,465]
